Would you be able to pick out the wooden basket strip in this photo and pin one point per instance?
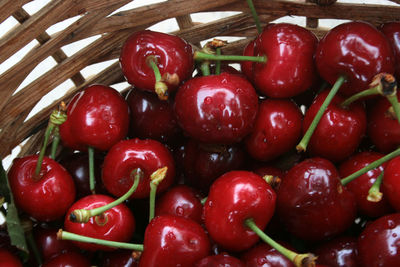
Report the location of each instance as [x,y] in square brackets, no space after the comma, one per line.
[33,144]
[8,7]
[11,79]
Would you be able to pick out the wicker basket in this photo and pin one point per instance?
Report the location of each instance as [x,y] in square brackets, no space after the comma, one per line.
[98,17]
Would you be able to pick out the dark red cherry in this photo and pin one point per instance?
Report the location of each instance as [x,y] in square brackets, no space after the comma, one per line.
[379,243]
[220,260]
[128,155]
[173,56]
[360,186]
[68,259]
[8,259]
[233,198]
[115,224]
[171,241]
[338,252]
[263,255]
[97,117]
[277,129]
[391,183]
[119,258]
[356,50]
[180,200]
[392,32]
[216,108]
[289,69]
[247,66]
[340,130]
[312,203]
[45,197]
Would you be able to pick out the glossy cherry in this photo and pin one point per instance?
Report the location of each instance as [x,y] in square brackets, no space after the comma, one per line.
[233,198]
[53,188]
[8,259]
[264,255]
[172,54]
[220,260]
[360,186]
[355,50]
[392,32]
[115,224]
[216,108]
[173,241]
[147,155]
[379,243]
[247,66]
[391,183]
[312,203]
[70,258]
[277,129]
[180,200]
[290,68]
[97,117]
[338,252]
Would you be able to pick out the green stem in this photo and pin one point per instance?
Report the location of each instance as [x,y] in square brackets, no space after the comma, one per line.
[255,16]
[34,248]
[153,191]
[63,235]
[47,134]
[203,201]
[302,146]
[205,68]
[297,259]
[357,96]
[152,63]
[395,104]
[92,179]
[371,166]
[155,179]
[204,56]
[83,215]
[56,141]
[218,63]
[374,193]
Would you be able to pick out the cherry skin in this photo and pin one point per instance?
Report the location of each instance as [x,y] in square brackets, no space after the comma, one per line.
[312,203]
[220,260]
[7,259]
[180,200]
[356,50]
[360,186]
[47,197]
[263,255]
[339,131]
[67,259]
[128,155]
[338,252]
[233,198]
[97,117]
[115,224]
[217,108]
[277,129]
[173,56]
[391,184]
[290,68]
[173,241]
[392,32]
[151,117]
[379,243]
[247,66]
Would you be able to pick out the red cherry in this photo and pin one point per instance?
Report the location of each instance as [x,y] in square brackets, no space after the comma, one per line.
[128,155]
[97,117]
[115,224]
[67,259]
[217,108]
[379,243]
[312,203]
[360,186]
[247,66]
[391,183]
[289,69]
[233,198]
[277,129]
[7,259]
[392,32]
[171,241]
[263,255]
[173,56]
[338,252]
[220,260]
[180,200]
[47,197]
[356,50]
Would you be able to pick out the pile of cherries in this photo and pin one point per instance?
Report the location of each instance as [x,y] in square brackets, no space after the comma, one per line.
[279,164]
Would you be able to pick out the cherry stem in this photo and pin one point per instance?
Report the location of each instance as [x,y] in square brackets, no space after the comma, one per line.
[218,63]
[64,235]
[357,96]
[203,201]
[371,166]
[83,215]
[255,16]
[32,244]
[300,260]
[92,179]
[155,179]
[160,86]
[47,134]
[302,146]
[395,104]
[204,56]
[205,68]
[374,193]
[56,141]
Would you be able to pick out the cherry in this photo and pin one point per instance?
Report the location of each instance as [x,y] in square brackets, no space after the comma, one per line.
[7,259]
[390,183]
[115,224]
[217,108]
[392,32]
[247,66]
[151,117]
[312,203]
[180,200]
[70,258]
[119,258]
[220,260]
[45,197]
[147,155]
[360,186]
[338,252]
[277,129]
[173,241]
[379,243]
[264,255]
[172,56]
[233,198]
